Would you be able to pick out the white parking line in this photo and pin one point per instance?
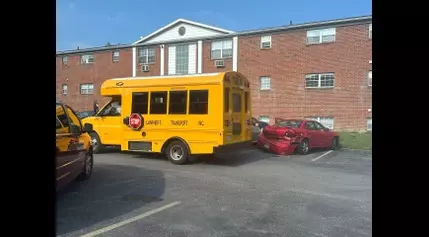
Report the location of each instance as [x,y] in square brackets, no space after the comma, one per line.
[136,218]
[324,154]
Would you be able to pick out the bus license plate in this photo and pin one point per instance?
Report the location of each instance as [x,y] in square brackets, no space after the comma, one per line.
[266,146]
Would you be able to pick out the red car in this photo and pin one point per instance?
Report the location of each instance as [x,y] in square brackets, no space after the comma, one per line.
[288,135]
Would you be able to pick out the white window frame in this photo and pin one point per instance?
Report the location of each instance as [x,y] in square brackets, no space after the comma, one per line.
[320,120]
[64,89]
[146,57]
[221,48]
[265,39]
[264,118]
[369,121]
[86,91]
[87,59]
[370,77]
[115,58]
[265,83]
[65,60]
[320,33]
[370,31]
[319,76]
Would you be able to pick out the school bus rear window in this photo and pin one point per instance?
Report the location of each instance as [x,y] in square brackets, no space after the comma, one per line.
[236,102]
[246,101]
[140,102]
[177,103]
[198,101]
[158,102]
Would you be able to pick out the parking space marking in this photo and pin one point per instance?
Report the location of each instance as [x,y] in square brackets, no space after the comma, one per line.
[324,154]
[136,218]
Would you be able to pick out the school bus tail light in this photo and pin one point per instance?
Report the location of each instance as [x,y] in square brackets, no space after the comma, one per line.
[227,123]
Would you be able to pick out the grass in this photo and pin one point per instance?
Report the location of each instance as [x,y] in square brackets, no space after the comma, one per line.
[355,140]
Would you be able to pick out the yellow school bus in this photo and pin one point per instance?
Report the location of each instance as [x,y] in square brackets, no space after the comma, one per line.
[175,115]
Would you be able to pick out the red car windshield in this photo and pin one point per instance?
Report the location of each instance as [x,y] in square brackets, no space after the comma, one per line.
[288,123]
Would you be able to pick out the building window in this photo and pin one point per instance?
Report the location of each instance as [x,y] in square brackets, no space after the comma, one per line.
[370,78]
[147,55]
[323,80]
[266,42]
[327,122]
[369,124]
[64,89]
[264,118]
[182,59]
[221,49]
[115,56]
[65,60]
[321,36]
[370,31]
[87,89]
[87,59]
[265,83]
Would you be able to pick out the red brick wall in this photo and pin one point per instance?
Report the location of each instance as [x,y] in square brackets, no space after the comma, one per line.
[74,73]
[209,64]
[287,63]
[290,59]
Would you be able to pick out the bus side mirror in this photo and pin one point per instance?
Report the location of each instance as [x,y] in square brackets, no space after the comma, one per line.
[126,120]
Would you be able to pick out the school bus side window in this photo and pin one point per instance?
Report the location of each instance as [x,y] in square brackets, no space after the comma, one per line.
[158,102]
[113,108]
[140,102]
[177,102]
[226,99]
[198,101]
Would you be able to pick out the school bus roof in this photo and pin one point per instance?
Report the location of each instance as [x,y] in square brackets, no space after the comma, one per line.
[114,86]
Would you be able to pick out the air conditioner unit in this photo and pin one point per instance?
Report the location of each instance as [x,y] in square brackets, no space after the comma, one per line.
[145,68]
[219,63]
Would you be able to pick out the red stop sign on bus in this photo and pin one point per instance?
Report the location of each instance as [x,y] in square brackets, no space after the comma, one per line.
[135,121]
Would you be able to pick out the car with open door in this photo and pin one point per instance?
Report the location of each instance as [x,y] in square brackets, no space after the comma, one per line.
[286,136]
[73,152]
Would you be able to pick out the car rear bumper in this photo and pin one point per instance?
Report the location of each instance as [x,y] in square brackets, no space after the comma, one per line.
[280,147]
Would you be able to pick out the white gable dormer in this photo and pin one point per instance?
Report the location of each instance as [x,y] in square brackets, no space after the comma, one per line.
[182,29]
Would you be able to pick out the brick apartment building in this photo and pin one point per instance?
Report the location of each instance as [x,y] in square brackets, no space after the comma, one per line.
[320,70]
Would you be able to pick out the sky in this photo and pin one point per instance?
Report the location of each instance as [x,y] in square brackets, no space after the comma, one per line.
[93,23]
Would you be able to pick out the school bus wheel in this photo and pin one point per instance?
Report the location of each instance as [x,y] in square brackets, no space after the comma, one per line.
[177,152]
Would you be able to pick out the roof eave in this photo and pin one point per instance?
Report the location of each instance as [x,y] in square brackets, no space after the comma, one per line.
[338,22]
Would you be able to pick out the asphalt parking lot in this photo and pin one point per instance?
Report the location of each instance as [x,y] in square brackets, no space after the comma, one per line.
[248,193]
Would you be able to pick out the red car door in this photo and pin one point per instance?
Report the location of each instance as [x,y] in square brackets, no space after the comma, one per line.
[313,134]
[325,135]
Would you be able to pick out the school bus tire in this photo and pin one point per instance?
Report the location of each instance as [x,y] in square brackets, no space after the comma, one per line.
[177,152]
[96,143]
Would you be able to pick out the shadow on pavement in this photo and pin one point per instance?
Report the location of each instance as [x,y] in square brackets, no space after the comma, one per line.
[112,191]
[235,159]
